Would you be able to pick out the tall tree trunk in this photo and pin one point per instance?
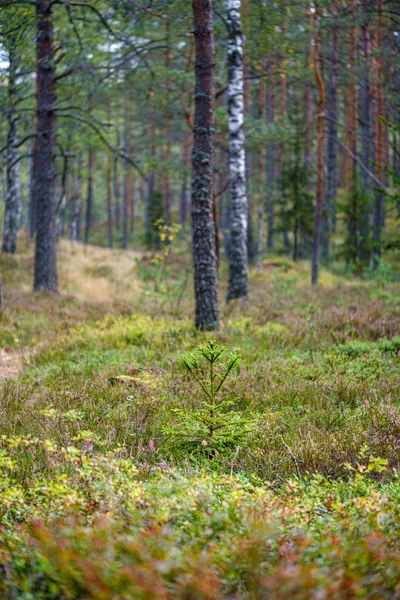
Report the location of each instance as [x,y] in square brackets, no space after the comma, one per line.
[12,209]
[127,172]
[109,201]
[77,205]
[117,194]
[262,166]
[320,147]
[62,207]
[167,176]
[329,207]
[148,217]
[184,186]
[377,252]
[281,157]
[44,193]
[238,259]
[270,158]
[352,223]
[365,125]
[203,229]
[89,196]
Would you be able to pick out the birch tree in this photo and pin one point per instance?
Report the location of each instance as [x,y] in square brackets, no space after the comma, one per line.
[238,260]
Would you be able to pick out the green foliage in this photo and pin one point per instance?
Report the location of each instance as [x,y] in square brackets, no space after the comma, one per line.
[214,427]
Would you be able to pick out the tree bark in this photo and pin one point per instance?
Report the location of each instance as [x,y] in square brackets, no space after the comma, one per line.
[270,158]
[320,147]
[262,168]
[365,125]
[329,207]
[238,257]
[12,209]
[377,251]
[77,205]
[44,165]
[203,229]
[127,171]
[109,201]
[89,196]
[117,194]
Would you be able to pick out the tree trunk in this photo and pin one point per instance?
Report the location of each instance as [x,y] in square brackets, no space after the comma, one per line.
[365,125]
[44,192]
[89,197]
[270,158]
[77,206]
[12,209]
[109,201]
[127,171]
[329,208]
[238,259]
[352,224]
[379,142]
[203,229]
[320,147]
[262,167]
[117,194]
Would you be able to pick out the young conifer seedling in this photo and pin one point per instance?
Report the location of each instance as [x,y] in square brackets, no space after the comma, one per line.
[215,426]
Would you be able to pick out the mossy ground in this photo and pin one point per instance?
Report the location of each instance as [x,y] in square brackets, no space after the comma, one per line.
[320,381]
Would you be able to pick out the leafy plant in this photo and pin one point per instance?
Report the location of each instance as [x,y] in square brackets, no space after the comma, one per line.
[215,426]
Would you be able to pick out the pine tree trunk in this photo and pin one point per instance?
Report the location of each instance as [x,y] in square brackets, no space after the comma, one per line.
[320,148]
[329,207]
[365,125]
[117,194]
[377,251]
[44,192]
[203,229]
[270,158]
[109,201]
[77,206]
[352,224]
[127,205]
[12,209]
[238,259]
[89,196]
[262,168]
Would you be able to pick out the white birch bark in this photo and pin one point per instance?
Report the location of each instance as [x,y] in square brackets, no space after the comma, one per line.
[238,260]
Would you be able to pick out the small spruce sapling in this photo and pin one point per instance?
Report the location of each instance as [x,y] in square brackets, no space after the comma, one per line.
[214,427]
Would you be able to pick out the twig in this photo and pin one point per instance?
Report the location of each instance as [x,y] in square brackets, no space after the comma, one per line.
[292,456]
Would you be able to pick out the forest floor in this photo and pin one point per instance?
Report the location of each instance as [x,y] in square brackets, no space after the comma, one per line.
[110,487]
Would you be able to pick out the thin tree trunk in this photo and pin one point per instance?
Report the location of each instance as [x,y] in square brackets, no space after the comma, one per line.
[77,206]
[377,251]
[270,158]
[329,208]
[262,165]
[365,125]
[320,147]
[352,224]
[167,176]
[89,197]
[44,193]
[203,229]
[109,201]
[12,209]
[117,194]
[127,172]
[148,217]
[238,258]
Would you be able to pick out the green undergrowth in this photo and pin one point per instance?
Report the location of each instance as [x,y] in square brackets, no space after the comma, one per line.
[127,472]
